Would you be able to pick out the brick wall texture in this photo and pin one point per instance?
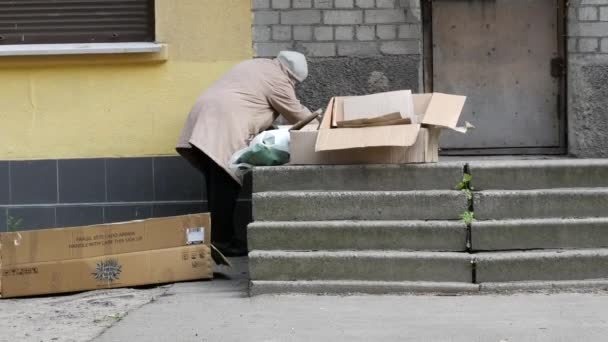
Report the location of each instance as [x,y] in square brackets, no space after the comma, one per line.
[329,28]
[588,27]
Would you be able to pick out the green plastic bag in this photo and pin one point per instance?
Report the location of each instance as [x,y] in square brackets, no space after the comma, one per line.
[269,148]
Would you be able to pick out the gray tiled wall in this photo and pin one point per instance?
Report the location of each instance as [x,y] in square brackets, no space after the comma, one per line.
[33,182]
[82,180]
[75,192]
[4,187]
[78,215]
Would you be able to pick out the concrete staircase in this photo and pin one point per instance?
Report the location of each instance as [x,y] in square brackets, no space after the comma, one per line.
[396,229]
[540,224]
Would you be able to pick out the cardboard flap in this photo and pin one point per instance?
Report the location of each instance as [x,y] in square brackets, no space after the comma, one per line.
[329,119]
[421,102]
[218,257]
[444,110]
[346,138]
[335,110]
[380,104]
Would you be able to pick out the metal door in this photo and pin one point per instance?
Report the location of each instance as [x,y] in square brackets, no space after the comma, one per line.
[505,55]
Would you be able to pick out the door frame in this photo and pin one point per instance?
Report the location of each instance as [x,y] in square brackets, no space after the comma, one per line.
[427,79]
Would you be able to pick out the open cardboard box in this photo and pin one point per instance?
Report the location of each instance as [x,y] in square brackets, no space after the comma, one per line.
[412,143]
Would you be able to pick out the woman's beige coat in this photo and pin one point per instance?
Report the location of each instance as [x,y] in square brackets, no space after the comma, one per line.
[241,104]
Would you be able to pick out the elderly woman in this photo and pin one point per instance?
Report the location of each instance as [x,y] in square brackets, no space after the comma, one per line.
[241,104]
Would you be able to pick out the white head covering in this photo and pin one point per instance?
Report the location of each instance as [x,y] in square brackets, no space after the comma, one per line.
[294,62]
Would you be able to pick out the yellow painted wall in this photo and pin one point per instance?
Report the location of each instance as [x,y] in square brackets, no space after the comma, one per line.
[120,105]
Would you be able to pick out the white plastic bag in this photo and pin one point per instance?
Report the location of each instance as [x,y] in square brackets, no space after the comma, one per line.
[268,148]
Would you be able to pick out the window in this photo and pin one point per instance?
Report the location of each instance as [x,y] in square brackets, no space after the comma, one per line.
[76,21]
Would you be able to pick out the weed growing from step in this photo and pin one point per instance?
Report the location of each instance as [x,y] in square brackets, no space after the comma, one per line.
[465,186]
[13,224]
[467,217]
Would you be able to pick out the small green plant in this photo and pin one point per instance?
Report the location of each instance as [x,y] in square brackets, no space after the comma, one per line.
[13,224]
[468,193]
[465,184]
[467,217]
[117,317]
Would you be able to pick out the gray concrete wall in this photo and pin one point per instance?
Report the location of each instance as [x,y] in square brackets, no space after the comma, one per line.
[354,46]
[588,78]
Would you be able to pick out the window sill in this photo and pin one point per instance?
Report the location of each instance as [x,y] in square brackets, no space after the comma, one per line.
[78,49]
[115,53]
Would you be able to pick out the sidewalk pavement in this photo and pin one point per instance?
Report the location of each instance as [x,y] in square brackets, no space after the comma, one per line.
[220,310]
[71,318]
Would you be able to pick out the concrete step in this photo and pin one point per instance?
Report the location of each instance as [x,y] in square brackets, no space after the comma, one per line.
[547,265]
[358,235]
[546,203]
[539,174]
[440,176]
[358,205]
[589,285]
[347,287]
[539,234]
[360,265]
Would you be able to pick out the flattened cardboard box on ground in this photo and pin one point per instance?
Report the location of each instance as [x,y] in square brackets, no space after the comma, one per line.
[68,259]
[396,144]
[104,239]
[110,271]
